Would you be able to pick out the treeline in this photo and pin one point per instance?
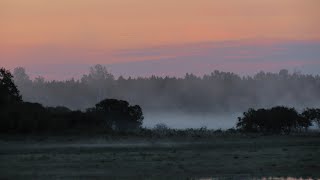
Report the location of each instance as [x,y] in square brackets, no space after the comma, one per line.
[218,91]
[17,116]
[278,120]
[112,115]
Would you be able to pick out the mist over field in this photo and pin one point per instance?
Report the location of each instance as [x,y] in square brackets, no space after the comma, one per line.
[214,100]
[181,120]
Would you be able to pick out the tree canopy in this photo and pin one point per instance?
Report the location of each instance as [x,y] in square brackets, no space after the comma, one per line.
[9,92]
[278,119]
[120,115]
[25,117]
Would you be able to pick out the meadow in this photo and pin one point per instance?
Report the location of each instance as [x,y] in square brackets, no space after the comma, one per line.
[223,156]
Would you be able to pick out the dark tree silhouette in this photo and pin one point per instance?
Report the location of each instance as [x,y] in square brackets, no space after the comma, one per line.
[9,92]
[312,114]
[17,116]
[275,120]
[119,115]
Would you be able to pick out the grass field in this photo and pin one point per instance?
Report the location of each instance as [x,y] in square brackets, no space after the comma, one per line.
[230,157]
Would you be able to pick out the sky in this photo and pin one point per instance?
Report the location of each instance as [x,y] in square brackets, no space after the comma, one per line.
[235,35]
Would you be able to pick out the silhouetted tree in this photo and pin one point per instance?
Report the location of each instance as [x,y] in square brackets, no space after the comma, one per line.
[312,114]
[17,116]
[119,115]
[8,90]
[275,120]
[250,120]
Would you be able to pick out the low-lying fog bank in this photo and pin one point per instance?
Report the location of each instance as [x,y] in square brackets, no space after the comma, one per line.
[183,120]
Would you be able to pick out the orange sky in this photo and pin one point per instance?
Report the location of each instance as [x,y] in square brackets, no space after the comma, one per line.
[110,25]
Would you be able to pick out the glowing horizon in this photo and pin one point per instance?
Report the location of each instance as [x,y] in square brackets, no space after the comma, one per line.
[89,32]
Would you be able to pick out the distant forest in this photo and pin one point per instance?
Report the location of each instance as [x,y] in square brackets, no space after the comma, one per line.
[215,92]
[113,115]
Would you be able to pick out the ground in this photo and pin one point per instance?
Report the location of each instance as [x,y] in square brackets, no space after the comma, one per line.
[104,157]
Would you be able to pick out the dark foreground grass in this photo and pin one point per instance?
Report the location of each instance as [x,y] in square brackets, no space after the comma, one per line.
[235,157]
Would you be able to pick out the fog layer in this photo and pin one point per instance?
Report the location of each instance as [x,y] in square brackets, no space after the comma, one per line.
[213,100]
[183,120]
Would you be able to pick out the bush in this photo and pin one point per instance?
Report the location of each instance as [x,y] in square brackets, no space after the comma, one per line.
[119,115]
[275,120]
[312,114]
